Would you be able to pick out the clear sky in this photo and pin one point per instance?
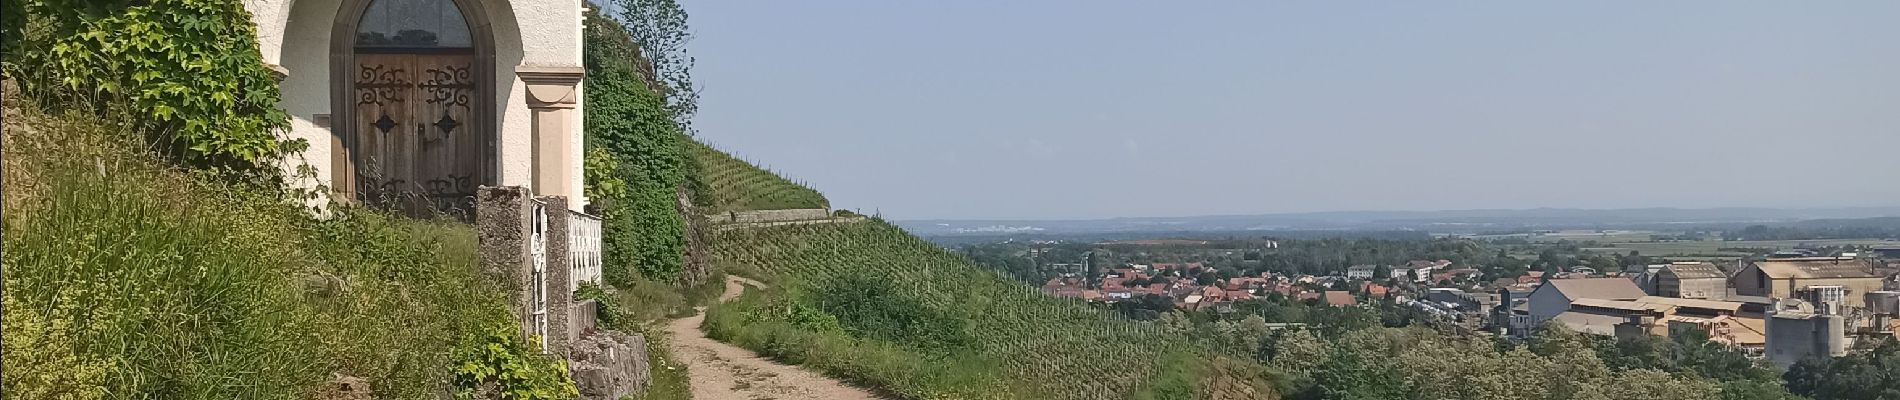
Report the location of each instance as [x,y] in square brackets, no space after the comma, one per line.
[1088,109]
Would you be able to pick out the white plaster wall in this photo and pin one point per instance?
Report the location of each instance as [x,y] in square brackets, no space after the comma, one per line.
[304,27]
[515,130]
[296,35]
[547,33]
[269,15]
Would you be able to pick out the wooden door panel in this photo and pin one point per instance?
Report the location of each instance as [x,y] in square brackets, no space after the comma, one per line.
[384,86]
[416,145]
[446,147]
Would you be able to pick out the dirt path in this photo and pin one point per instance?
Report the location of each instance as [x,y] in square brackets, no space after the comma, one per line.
[721,371]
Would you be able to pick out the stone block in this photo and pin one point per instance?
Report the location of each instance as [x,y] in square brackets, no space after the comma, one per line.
[607,365]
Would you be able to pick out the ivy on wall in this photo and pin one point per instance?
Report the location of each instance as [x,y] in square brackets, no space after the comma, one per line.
[636,160]
[189,69]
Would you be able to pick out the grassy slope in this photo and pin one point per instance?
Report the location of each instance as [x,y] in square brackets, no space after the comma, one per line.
[125,278]
[730,184]
[870,303]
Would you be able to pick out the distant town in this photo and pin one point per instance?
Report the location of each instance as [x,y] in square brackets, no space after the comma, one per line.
[1781,305]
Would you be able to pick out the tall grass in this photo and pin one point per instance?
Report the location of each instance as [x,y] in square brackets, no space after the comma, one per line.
[126,278]
[870,303]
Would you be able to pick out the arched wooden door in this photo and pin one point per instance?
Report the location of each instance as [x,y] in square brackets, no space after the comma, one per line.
[417,134]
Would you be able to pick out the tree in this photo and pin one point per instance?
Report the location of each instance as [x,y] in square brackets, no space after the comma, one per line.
[1175,322]
[1295,351]
[1872,374]
[1659,385]
[1347,375]
[1755,390]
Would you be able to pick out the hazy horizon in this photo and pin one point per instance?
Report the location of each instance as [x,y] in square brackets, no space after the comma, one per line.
[1084,110]
[1876,212]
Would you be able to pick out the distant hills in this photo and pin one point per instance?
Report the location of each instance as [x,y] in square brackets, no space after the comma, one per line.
[1450,221]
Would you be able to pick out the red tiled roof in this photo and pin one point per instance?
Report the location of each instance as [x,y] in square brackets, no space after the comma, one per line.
[1340,298]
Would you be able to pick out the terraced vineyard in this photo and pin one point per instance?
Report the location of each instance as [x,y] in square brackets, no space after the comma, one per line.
[870,303]
[727,183]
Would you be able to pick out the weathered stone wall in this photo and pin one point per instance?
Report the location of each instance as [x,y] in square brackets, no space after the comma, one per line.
[696,262]
[502,218]
[757,216]
[604,364]
[584,316]
[504,221]
[558,272]
[607,365]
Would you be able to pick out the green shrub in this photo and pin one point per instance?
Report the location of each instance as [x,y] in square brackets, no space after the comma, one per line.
[43,357]
[499,361]
[635,161]
[189,68]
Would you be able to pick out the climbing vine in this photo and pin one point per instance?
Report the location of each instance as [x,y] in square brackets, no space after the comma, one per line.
[636,161]
[501,362]
[189,70]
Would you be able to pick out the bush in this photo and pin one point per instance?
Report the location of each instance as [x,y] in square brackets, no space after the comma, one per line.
[190,69]
[635,161]
[499,360]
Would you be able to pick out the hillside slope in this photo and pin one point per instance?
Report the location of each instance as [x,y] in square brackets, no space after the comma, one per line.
[725,183]
[126,278]
[872,304]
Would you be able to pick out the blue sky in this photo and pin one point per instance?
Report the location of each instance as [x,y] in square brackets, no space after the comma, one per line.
[1087,109]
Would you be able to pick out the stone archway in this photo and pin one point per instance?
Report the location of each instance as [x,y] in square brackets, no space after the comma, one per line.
[413,92]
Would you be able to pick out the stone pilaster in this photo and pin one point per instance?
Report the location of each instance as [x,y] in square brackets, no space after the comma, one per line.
[552,95]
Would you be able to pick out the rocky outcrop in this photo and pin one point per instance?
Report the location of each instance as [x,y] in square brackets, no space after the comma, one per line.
[344,387]
[607,365]
[696,263]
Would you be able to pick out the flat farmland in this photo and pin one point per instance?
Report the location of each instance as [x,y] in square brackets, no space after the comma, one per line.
[1712,248]
[1600,237]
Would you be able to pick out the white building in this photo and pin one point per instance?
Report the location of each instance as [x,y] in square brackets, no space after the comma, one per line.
[428,99]
[1360,272]
[1419,270]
